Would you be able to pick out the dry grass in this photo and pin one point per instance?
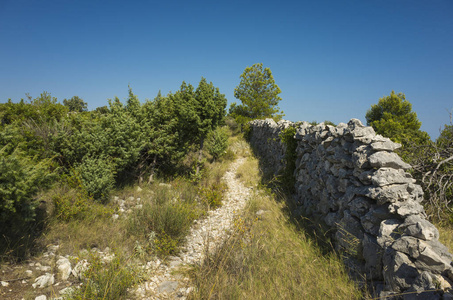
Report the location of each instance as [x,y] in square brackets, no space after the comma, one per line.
[446,235]
[268,258]
[239,146]
[248,172]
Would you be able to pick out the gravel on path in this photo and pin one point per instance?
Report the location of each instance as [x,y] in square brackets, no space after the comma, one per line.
[205,236]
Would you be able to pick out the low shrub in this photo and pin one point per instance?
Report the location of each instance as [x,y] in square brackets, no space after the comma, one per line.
[217,142]
[107,279]
[69,204]
[20,180]
[73,203]
[168,215]
[97,177]
[212,195]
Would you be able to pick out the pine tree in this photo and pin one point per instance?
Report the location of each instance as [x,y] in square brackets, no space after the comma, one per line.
[393,117]
[210,108]
[259,94]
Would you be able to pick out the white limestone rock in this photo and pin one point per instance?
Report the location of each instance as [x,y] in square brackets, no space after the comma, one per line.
[381,143]
[388,176]
[388,159]
[64,268]
[80,268]
[44,281]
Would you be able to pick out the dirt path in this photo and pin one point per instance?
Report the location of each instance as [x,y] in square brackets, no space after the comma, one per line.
[205,235]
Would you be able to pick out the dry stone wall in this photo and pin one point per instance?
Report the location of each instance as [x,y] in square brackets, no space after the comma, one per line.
[352,180]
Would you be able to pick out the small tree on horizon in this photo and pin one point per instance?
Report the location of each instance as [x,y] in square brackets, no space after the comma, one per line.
[75,104]
[258,93]
[393,117]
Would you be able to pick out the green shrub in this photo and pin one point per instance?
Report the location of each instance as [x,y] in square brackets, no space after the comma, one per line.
[217,142]
[232,124]
[71,204]
[165,245]
[247,129]
[212,195]
[20,180]
[97,177]
[169,216]
[107,280]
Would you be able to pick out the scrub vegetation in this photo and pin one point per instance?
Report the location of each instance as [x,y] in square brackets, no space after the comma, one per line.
[132,177]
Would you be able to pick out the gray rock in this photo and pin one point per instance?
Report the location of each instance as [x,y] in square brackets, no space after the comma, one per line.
[44,281]
[433,257]
[387,159]
[80,269]
[167,286]
[360,157]
[442,282]
[420,228]
[332,218]
[399,271]
[392,193]
[349,177]
[66,291]
[447,296]
[381,143]
[359,206]
[388,233]
[364,176]
[422,288]
[371,221]
[384,295]
[372,253]
[406,208]
[356,128]
[349,235]
[408,245]
[388,176]
[174,261]
[424,281]
[430,256]
[64,268]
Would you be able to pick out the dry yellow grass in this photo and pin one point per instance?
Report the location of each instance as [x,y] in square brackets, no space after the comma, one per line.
[268,258]
[446,235]
[248,172]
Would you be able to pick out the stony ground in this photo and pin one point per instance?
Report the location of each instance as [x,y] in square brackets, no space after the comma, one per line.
[55,273]
[204,237]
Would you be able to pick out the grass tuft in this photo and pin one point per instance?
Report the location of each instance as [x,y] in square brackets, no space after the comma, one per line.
[107,279]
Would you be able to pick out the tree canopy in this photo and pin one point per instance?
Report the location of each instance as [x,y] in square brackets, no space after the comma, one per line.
[393,117]
[258,93]
[75,104]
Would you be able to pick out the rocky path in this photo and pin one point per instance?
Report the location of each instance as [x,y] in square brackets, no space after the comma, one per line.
[205,236]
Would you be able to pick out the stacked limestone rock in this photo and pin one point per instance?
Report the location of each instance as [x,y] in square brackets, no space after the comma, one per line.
[267,142]
[350,178]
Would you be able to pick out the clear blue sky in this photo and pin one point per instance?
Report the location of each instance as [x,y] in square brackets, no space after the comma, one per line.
[331,59]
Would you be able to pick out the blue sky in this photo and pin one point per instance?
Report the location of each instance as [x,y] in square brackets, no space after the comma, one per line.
[331,59]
